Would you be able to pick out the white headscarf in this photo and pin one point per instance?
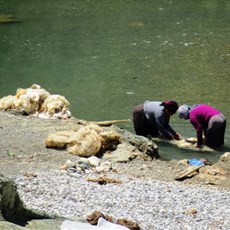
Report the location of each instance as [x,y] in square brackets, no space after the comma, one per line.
[183,111]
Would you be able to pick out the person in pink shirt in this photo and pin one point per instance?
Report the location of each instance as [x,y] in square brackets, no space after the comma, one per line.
[207,121]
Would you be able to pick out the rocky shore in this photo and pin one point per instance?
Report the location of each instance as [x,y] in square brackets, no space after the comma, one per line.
[144,191]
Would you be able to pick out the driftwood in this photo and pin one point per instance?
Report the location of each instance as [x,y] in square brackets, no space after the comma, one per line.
[108,123]
[104,180]
[185,174]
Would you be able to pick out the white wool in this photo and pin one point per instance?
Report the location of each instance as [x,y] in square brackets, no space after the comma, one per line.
[38,102]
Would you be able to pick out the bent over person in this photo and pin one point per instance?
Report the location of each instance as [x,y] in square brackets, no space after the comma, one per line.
[206,120]
[152,119]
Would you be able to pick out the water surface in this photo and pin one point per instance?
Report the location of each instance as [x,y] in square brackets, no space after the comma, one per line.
[106,56]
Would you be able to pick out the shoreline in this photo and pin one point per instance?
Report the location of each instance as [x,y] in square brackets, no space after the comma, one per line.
[148,193]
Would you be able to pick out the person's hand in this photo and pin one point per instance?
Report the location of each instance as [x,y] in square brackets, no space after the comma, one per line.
[177,136]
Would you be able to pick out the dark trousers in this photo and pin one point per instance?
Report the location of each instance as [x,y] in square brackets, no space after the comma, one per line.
[141,124]
[215,132]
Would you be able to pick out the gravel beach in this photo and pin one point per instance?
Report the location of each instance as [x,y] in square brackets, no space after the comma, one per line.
[153,204]
[147,194]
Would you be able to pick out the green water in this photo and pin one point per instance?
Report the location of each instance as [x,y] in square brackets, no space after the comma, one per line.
[106,56]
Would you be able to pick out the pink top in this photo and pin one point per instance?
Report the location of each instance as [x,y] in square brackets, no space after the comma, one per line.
[199,117]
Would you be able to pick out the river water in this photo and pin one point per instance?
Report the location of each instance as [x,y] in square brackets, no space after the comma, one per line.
[106,56]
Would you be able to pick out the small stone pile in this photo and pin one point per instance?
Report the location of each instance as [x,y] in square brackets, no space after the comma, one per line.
[86,165]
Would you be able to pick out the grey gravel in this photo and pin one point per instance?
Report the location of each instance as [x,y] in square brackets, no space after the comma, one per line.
[152,203]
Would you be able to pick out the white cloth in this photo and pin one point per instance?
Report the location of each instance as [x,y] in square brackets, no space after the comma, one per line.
[101,225]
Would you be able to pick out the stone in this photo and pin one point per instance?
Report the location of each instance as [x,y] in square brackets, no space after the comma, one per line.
[94,161]
[209,173]
[213,170]
[13,209]
[147,147]
[225,157]
[129,224]
[124,153]
[211,179]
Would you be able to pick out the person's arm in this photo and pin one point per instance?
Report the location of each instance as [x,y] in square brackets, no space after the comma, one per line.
[196,124]
[164,127]
[175,134]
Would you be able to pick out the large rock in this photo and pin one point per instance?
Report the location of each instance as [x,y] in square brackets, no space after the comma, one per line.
[13,213]
[124,153]
[147,147]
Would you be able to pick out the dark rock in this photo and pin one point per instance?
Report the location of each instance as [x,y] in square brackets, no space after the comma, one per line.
[12,208]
